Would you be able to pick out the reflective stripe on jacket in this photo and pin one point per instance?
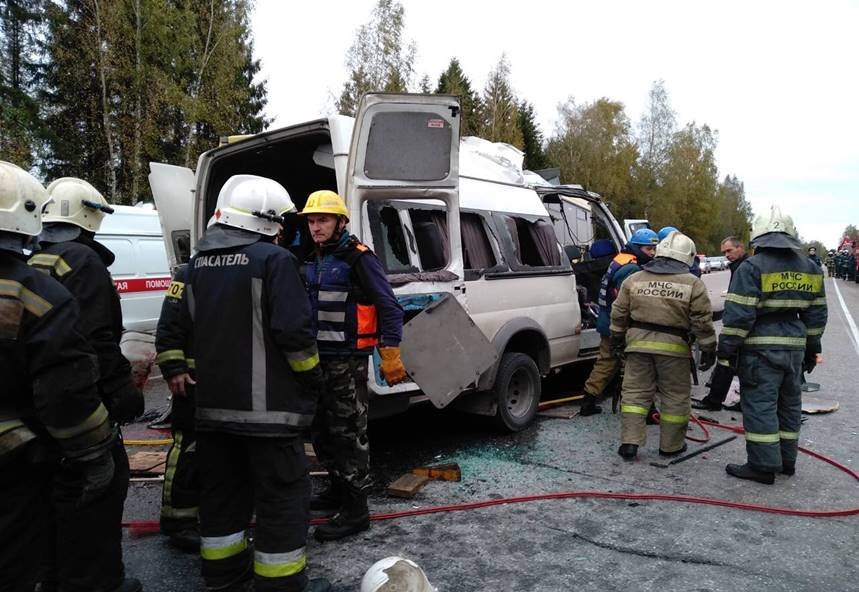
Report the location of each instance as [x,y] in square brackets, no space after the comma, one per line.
[49,370]
[677,301]
[252,339]
[776,300]
[354,307]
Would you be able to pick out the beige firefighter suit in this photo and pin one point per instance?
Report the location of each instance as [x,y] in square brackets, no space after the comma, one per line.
[656,311]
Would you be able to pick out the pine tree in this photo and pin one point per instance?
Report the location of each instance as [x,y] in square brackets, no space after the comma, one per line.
[21,25]
[380,59]
[453,81]
[500,115]
[532,138]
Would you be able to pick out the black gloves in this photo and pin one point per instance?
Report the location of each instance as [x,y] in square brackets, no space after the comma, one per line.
[708,358]
[96,475]
[125,404]
[809,361]
[618,344]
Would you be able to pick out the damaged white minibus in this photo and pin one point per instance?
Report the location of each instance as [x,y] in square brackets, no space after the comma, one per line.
[491,297]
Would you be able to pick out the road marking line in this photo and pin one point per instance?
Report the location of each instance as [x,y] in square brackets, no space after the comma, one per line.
[854,332]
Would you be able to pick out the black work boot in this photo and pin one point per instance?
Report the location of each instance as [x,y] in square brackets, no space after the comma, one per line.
[628,451]
[129,585]
[353,518]
[330,499]
[707,403]
[788,468]
[676,452]
[318,585]
[589,406]
[747,472]
[187,539]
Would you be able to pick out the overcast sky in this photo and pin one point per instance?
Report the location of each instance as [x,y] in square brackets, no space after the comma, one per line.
[779,81]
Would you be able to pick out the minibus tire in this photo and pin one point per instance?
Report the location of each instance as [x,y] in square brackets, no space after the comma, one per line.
[517,391]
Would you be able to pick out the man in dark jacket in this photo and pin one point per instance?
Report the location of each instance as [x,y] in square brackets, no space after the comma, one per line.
[735,251]
[775,314]
[90,542]
[258,381]
[49,403]
[637,252]
[354,311]
[173,343]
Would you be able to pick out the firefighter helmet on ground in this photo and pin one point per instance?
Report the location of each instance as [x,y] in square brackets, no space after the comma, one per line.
[22,198]
[677,246]
[395,574]
[74,201]
[325,202]
[254,203]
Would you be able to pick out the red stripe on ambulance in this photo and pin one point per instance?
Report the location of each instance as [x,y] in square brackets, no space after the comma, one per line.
[142,285]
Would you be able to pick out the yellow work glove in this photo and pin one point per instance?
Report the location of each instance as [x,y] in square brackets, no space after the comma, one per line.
[392,367]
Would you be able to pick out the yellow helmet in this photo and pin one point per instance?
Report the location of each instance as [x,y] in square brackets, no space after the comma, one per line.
[325,202]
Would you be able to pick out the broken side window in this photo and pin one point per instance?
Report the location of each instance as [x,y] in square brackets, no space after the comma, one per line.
[476,247]
[431,237]
[389,240]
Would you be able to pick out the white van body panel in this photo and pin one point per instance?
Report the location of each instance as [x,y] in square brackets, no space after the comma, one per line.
[140,272]
[173,187]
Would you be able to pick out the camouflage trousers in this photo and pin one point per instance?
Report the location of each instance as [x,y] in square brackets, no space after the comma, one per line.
[339,430]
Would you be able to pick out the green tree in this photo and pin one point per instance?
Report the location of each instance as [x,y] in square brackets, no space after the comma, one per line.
[734,212]
[21,25]
[499,110]
[851,232]
[380,58]
[453,81]
[656,130]
[594,147]
[687,198]
[532,138]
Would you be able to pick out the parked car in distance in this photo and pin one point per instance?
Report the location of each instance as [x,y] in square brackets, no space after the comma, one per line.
[704,263]
[718,263]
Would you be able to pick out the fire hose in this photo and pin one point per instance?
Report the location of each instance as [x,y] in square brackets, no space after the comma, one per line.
[139,528]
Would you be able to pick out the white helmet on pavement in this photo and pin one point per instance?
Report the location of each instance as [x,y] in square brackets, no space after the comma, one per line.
[22,198]
[253,203]
[395,574]
[677,246]
[74,201]
[773,221]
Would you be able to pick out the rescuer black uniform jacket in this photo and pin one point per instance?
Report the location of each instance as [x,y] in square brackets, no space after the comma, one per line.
[48,370]
[257,363]
[173,336]
[776,301]
[81,266]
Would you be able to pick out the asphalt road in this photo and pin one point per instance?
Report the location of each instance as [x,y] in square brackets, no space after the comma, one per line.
[588,544]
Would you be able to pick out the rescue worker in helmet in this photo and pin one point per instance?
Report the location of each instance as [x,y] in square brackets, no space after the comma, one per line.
[354,310]
[637,252]
[656,312]
[695,268]
[775,314]
[50,408]
[258,380]
[180,497]
[812,254]
[89,543]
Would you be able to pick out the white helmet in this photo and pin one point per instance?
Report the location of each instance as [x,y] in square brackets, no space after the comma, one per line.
[74,201]
[22,198]
[395,574]
[677,246]
[774,221]
[253,203]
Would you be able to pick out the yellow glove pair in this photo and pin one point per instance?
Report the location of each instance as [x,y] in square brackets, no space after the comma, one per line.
[392,367]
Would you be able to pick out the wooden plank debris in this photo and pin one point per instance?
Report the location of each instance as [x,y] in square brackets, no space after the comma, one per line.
[148,462]
[407,486]
[444,472]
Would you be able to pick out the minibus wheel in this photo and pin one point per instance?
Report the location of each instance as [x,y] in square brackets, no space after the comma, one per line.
[517,391]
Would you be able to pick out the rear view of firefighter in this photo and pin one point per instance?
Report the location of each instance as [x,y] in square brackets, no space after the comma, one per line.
[89,543]
[775,314]
[354,311]
[258,380]
[652,319]
[49,403]
[638,251]
[181,493]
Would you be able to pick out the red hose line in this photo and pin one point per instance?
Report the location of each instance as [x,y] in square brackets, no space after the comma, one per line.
[139,528]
